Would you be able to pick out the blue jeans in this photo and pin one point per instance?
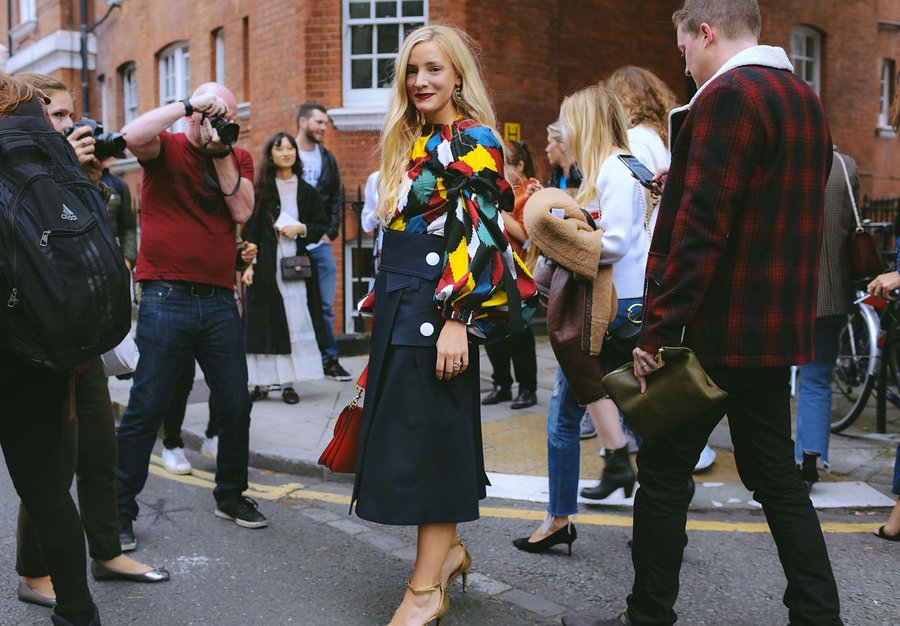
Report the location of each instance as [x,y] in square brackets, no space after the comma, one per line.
[563,447]
[175,327]
[814,390]
[896,488]
[323,257]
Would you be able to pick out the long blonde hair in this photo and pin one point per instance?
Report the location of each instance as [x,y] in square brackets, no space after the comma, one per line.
[594,124]
[403,122]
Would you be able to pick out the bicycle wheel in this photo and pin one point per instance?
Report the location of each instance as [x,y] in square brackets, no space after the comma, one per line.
[855,371]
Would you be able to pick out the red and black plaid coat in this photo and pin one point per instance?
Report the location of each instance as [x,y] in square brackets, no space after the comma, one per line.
[733,266]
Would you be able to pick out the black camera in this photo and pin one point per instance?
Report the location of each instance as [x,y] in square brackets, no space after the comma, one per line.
[228,131]
[105,144]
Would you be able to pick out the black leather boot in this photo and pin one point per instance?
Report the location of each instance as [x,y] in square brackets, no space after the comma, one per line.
[616,473]
[809,471]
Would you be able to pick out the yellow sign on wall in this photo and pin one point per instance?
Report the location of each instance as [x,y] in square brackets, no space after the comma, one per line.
[512,131]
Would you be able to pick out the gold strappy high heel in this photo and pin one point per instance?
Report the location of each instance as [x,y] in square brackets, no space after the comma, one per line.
[443,607]
[463,568]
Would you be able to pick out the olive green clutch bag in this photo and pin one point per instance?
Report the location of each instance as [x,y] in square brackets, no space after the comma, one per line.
[677,392]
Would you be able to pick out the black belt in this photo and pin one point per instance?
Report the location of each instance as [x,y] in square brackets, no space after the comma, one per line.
[198,290]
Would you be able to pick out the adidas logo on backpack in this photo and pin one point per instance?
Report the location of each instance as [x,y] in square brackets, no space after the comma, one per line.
[66,296]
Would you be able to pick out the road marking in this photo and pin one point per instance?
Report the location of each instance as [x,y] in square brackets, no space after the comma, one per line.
[199,478]
[297,491]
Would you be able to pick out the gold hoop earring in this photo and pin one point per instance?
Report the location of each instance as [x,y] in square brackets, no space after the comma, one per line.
[457,94]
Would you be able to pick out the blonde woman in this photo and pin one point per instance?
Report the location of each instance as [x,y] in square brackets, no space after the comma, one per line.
[565,174]
[444,256]
[595,132]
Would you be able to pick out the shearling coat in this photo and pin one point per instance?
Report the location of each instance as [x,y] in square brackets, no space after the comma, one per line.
[576,245]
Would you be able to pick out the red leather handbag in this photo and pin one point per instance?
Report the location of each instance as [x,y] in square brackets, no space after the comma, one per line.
[340,455]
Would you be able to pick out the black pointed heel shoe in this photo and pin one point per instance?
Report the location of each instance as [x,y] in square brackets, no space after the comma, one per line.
[566,535]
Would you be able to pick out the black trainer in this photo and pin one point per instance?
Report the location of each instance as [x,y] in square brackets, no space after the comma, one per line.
[334,371]
[243,511]
[126,535]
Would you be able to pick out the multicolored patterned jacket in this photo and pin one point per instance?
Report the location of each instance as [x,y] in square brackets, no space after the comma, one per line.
[455,188]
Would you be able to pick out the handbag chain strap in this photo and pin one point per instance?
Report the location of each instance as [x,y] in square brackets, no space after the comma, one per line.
[850,191]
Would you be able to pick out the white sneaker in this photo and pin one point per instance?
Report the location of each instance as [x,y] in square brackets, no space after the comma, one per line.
[175,462]
[707,458]
[210,448]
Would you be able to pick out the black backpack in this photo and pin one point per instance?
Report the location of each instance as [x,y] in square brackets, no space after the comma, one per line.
[64,287]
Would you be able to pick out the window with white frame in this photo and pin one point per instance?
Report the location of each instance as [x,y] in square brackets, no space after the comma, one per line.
[27,11]
[806,55]
[104,102]
[219,53]
[129,93]
[888,71]
[373,32]
[175,78]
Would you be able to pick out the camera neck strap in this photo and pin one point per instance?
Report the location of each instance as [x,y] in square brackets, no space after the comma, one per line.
[213,184]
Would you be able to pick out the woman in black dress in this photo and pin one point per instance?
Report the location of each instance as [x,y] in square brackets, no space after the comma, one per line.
[447,273]
[280,330]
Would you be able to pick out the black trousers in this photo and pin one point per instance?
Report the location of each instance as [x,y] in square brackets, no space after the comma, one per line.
[174,419]
[88,450]
[33,405]
[519,349]
[759,416]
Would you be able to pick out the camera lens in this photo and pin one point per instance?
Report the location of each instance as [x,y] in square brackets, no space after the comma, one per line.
[228,131]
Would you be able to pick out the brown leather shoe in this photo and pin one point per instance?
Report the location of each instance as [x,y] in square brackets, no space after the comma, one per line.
[525,399]
[497,395]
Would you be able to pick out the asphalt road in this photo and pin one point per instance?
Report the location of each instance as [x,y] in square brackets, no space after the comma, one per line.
[315,565]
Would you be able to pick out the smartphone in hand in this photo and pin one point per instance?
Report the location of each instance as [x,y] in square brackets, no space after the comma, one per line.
[640,171]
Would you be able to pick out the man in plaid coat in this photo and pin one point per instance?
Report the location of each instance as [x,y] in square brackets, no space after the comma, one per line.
[732,274]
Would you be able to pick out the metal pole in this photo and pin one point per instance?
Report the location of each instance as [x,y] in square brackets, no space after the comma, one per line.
[85,77]
[881,398]
[344,258]
[9,27]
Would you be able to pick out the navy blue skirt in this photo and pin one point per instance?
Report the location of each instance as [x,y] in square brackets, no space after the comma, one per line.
[420,453]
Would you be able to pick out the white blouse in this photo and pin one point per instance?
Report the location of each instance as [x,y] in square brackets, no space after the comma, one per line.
[626,241]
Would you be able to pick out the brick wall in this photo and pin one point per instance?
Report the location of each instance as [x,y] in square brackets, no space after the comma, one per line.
[853,49]
[280,53]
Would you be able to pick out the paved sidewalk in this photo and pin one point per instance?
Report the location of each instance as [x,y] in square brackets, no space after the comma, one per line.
[290,438]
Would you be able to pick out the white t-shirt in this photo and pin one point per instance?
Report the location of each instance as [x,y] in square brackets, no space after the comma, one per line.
[312,165]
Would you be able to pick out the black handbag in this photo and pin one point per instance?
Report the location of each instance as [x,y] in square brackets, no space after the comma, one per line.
[621,341]
[295,268]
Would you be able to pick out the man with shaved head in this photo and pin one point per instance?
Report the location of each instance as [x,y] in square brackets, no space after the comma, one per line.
[196,190]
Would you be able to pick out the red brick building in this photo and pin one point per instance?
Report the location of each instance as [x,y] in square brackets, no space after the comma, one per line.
[277,54]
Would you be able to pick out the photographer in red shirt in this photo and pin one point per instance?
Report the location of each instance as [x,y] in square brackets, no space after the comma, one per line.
[197,188]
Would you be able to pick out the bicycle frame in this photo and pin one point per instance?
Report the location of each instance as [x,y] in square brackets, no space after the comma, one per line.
[873,326]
